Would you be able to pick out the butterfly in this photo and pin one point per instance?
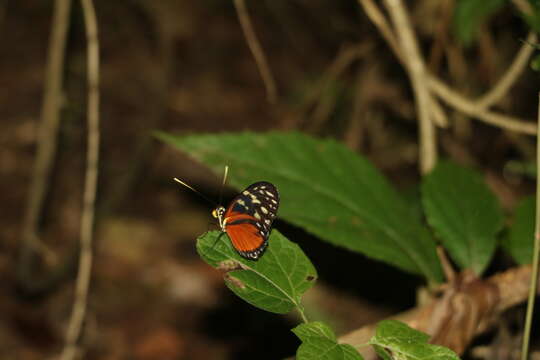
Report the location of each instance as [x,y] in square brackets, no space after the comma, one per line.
[248,219]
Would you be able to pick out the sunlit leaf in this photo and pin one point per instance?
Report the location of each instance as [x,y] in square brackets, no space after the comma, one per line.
[275,283]
[319,342]
[397,340]
[314,329]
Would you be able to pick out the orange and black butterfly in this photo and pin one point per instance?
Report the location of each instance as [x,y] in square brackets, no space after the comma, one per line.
[248,218]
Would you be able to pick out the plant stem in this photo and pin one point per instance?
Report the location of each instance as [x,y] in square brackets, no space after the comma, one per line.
[79,309]
[302,314]
[536,251]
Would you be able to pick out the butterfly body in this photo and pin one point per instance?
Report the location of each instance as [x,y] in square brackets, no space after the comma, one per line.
[248,219]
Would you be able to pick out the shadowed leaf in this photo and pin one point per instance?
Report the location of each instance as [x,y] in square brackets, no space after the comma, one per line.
[464,213]
[520,240]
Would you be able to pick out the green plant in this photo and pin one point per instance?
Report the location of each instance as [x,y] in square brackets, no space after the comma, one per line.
[469,15]
[341,198]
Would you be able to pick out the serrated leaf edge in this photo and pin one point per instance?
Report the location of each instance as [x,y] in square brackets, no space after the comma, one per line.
[246,267]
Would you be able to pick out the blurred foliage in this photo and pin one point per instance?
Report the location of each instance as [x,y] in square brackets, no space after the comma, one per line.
[464,213]
[520,240]
[469,16]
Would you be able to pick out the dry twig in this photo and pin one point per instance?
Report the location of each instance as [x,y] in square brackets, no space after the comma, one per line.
[470,108]
[87,221]
[535,258]
[379,20]
[466,308]
[256,50]
[523,6]
[519,64]
[416,71]
[345,57]
[445,92]
[377,17]
[46,150]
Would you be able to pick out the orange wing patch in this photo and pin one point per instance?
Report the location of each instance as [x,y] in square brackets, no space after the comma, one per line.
[245,237]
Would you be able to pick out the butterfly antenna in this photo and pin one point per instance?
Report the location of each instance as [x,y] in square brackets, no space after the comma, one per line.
[195,191]
[225,173]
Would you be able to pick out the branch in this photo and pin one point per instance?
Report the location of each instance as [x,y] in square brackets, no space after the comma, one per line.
[87,220]
[446,93]
[470,108]
[535,258]
[46,147]
[345,57]
[256,50]
[466,308]
[416,71]
[519,64]
[377,18]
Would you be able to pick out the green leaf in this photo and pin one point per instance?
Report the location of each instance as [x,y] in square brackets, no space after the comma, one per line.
[464,213]
[319,342]
[468,16]
[397,340]
[326,189]
[275,283]
[314,329]
[321,349]
[533,18]
[382,352]
[390,331]
[350,353]
[535,63]
[520,240]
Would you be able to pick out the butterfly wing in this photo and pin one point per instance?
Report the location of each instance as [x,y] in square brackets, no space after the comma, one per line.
[246,238]
[249,219]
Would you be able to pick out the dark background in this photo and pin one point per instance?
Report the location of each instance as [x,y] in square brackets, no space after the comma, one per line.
[184,67]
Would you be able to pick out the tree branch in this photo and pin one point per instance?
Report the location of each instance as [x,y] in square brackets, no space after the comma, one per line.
[46,147]
[87,220]
[417,74]
[256,50]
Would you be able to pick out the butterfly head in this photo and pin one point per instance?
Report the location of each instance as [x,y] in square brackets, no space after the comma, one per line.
[218,213]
